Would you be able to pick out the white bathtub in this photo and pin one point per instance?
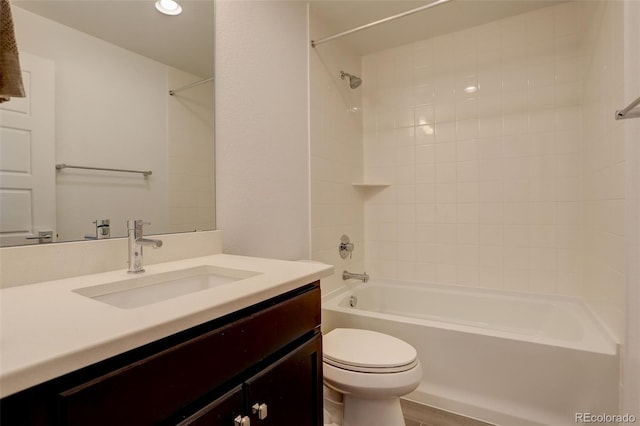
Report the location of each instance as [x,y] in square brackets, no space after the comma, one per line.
[503,357]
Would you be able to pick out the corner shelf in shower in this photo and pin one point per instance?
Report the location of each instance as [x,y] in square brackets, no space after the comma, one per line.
[366,185]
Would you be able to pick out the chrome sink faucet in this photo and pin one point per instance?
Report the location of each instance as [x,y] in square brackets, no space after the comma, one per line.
[136,242]
[346,275]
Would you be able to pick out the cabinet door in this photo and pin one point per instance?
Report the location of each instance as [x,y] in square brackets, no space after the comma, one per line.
[220,412]
[290,389]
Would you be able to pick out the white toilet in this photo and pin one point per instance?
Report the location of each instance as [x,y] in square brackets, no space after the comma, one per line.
[372,371]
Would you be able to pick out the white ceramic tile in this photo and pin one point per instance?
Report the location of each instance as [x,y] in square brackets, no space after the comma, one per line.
[539,98]
[515,123]
[567,70]
[424,115]
[490,235]
[468,192]
[406,234]
[467,129]
[514,79]
[405,175]
[425,213]
[516,190]
[446,273]
[444,85]
[446,192]
[423,94]
[425,173]
[445,112]
[406,213]
[513,31]
[467,108]
[425,193]
[446,213]
[425,134]
[425,154]
[469,213]
[405,155]
[490,169]
[467,275]
[543,213]
[406,194]
[490,105]
[491,276]
[446,172]
[467,150]
[425,252]
[468,239]
[491,214]
[446,254]
[566,19]
[490,148]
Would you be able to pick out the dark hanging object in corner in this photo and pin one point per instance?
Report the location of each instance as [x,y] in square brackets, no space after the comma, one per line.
[10,74]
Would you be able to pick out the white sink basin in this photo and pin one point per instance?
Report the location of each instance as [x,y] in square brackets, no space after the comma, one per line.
[147,289]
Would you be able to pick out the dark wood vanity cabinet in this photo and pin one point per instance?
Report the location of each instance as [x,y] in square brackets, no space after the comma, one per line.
[284,393]
[260,366]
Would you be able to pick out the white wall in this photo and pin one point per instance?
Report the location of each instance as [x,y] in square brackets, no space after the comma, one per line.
[336,156]
[262,130]
[485,186]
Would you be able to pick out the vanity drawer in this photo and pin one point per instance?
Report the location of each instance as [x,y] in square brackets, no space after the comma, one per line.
[156,387]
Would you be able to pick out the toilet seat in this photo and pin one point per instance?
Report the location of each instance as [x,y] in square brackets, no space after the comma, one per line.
[367,351]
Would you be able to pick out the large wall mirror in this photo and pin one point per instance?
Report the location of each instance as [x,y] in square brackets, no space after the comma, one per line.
[98,75]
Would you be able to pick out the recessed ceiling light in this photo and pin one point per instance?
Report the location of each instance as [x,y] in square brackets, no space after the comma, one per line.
[471,89]
[168,7]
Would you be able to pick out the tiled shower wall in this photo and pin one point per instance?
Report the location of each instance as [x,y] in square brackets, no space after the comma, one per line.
[478,133]
[336,156]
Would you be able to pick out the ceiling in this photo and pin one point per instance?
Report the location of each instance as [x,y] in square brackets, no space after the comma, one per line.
[186,41]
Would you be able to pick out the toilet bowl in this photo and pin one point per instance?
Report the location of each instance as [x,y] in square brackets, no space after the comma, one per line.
[372,371]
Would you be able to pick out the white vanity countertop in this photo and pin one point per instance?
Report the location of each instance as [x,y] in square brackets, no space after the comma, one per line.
[47,330]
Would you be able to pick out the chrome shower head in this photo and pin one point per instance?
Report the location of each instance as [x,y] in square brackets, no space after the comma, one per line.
[353,80]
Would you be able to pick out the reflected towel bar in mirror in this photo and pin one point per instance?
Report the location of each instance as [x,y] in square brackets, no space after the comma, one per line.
[69,166]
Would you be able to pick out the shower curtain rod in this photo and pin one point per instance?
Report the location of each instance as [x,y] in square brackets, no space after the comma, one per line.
[314,43]
[189,86]
[628,112]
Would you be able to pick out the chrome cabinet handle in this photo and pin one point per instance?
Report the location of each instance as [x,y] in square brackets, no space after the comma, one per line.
[242,421]
[261,409]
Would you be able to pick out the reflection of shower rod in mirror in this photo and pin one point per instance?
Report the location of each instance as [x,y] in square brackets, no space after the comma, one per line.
[189,86]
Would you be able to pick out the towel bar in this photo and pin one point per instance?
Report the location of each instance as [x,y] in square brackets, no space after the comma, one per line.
[68,166]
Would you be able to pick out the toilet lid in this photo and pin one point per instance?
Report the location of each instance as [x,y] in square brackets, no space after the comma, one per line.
[367,351]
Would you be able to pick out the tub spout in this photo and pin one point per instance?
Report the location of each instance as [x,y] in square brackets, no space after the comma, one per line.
[346,275]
